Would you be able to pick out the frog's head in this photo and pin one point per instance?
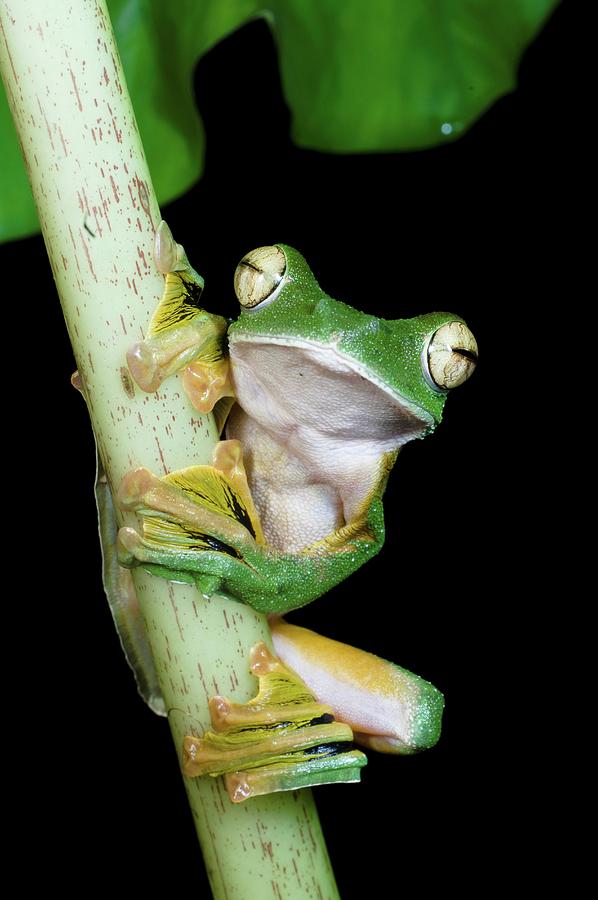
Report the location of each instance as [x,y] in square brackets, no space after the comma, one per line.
[414,362]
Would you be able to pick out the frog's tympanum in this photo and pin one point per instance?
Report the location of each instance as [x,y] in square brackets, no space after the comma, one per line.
[316,400]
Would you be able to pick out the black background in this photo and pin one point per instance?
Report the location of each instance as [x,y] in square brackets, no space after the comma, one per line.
[474,227]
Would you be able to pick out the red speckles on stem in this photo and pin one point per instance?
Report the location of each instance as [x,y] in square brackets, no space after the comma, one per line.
[48,129]
[114,190]
[88,256]
[117,132]
[176,613]
[296,869]
[106,76]
[64,146]
[144,199]
[132,196]
[91,362]
[105,207]
[309,830]
[72,237]
[101,18]
[14,71]
[162,460]
[76,89]
[95,212]
[119,86]
[218,787]
[202,679]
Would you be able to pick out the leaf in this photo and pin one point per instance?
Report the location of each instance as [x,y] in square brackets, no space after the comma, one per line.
[361,75]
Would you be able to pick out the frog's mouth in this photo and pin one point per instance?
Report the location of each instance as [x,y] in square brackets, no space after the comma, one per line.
[315,388]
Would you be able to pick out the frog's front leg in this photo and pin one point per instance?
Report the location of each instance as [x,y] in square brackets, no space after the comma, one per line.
[197,523]
[390,709]
[182,335]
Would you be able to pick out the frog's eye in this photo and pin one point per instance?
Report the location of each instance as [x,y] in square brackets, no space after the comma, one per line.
[450,356]
[259,276]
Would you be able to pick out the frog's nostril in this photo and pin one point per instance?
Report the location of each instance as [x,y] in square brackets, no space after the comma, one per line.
[259,275]
[450,356]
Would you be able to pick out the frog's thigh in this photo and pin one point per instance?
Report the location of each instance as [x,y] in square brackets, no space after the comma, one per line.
[389,708]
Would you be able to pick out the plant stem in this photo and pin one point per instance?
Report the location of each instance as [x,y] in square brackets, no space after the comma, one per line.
[98,214]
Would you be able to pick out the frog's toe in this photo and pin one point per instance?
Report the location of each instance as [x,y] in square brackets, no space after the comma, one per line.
[129,548]
[135,487]
[133,550]
[208,585]
[207,383]
[144,365]
[281,740]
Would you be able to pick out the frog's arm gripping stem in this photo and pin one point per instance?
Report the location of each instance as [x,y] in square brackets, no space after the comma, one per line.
[183,336]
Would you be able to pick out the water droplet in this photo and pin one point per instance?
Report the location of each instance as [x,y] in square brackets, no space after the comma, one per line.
[446,128]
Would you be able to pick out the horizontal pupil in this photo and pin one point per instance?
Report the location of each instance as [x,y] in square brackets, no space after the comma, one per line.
[249,265]
[467,354]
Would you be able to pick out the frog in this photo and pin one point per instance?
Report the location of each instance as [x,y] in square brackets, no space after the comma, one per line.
[316,400]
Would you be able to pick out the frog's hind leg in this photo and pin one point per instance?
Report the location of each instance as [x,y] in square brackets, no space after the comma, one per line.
[389,708]
[281,740]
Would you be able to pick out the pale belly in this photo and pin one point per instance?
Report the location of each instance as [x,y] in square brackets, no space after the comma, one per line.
[296,506]
[314,435]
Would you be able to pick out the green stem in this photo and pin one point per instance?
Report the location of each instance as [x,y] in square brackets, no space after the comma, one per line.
[98,213]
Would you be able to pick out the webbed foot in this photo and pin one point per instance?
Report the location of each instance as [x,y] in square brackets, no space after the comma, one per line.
[281,740]
[181,335]
[201,508]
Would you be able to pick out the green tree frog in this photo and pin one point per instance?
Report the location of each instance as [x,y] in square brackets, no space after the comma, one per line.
[318,400]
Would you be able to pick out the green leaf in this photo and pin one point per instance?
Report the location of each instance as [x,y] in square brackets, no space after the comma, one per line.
[358,75]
